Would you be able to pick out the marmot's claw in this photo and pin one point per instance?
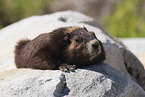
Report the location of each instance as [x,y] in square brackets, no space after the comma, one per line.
[65,67]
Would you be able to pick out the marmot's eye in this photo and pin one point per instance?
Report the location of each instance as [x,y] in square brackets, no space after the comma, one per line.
[65,38]
[79,40]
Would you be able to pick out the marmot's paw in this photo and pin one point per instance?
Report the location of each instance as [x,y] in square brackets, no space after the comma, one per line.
[65,67]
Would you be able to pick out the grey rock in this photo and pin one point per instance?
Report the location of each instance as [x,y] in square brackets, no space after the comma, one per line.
[141,58]
[134,67]
[29,83]
[93,8]
[116,54]
[135,45]
[100,80]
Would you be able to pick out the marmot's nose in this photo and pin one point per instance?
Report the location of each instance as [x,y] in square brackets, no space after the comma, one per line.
[95,44]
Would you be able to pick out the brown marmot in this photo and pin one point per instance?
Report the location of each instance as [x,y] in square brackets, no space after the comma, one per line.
[64,49]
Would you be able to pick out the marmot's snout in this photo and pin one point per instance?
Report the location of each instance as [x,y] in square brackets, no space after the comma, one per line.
[93,47]
[95,44]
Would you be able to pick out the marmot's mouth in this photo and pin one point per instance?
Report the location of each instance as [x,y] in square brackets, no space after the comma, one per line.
[96,52]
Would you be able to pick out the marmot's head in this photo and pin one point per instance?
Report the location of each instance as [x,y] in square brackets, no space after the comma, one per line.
[83,47]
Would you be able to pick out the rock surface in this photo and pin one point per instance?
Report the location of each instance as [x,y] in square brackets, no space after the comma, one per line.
[93,81]
[135,45]
[116,55]
[93,8]
[142,58]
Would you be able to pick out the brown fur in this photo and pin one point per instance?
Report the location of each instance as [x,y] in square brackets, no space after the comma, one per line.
[62,48]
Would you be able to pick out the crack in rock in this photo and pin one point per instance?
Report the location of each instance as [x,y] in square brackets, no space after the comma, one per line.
[61,88]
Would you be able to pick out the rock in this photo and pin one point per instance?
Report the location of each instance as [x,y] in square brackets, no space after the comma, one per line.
[134,67]
[135,45]
[93,81]
[142,58]
[116,54]
[93,8]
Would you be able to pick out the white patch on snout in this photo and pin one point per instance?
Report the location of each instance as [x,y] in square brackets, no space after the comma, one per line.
[92,50]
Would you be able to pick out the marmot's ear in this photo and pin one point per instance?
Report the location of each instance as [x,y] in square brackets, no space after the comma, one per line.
[93,33]
[67,37]
[85,29]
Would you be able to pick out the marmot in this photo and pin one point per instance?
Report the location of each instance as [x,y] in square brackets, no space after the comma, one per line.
[64,49]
